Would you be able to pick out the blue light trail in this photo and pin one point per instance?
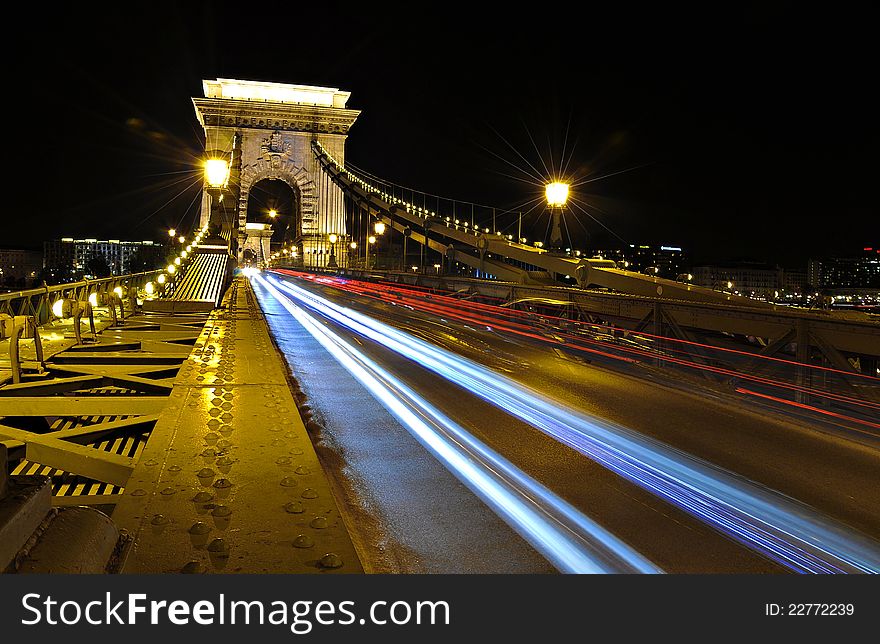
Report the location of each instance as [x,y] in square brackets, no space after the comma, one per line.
[794,535]
[568,539]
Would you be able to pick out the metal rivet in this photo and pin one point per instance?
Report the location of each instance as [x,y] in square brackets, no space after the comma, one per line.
[319,523]
[205,473]
[283,460]
[219,548]
[302,470]
[303,541]
[160,519]
[309,493]
[168,491]
[288,481]
[199,528]
[174,468]
[330,560]
[222,483]
[221,511]
[192,568]
[203,497]
[138,492]
[294,507]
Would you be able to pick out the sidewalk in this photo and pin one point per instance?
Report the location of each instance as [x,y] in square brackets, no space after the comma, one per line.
[229,481]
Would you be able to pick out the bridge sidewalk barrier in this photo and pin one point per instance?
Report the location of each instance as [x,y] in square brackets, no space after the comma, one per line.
[229,480]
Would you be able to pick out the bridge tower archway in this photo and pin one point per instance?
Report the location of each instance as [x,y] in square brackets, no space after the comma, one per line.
[267,130]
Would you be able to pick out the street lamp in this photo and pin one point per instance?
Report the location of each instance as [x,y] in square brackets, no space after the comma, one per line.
[379,227]
[371,240]
[557,196]
[216,172]
[332,238]
[181,239]
[172,232]
[273,213]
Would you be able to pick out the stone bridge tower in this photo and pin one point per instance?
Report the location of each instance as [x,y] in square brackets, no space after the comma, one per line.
[265,131]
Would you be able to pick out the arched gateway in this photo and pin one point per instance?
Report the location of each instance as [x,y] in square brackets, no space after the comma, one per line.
[265,131]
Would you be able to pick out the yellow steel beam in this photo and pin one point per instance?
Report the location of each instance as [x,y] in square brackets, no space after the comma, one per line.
[70,457]
[82,405]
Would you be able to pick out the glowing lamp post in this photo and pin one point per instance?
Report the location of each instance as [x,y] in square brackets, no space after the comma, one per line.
[216,180]
[216,173]
[557,196]
[379,229]
[371,240]
[332,238]
[172,232]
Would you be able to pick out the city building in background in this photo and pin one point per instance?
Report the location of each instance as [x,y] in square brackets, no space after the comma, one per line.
[860,271]
[670,262]
[19,267]
[848,282]
[752,279]
[68,258]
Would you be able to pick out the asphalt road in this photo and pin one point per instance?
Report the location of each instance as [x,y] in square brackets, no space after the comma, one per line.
[410,515]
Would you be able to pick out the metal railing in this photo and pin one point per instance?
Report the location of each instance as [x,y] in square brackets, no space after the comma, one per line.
[37,302]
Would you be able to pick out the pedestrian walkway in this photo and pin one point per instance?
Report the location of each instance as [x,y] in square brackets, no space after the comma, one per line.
[229,481]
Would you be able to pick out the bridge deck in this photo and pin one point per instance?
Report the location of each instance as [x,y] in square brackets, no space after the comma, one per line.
[229,481]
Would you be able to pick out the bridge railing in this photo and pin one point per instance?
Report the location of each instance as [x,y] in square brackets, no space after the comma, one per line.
[460,214]
[37,302]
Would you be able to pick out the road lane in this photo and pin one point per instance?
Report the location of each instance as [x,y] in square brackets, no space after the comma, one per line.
[692,551]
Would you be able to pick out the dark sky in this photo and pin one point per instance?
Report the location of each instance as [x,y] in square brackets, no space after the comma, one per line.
[742,132]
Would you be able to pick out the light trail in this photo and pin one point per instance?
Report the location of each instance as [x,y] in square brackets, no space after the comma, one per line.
[783,530]
[497,310]
[499,319]
[568,539]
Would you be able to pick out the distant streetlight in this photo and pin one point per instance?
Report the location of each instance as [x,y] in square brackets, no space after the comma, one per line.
[172,232]
[273,213]
[379,227]
[331,262]
[371,240]
[181,239]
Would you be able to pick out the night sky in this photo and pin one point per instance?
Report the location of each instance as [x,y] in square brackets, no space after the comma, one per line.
[738,133]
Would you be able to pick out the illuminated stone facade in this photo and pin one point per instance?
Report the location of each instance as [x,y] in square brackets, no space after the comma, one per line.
[266,131]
